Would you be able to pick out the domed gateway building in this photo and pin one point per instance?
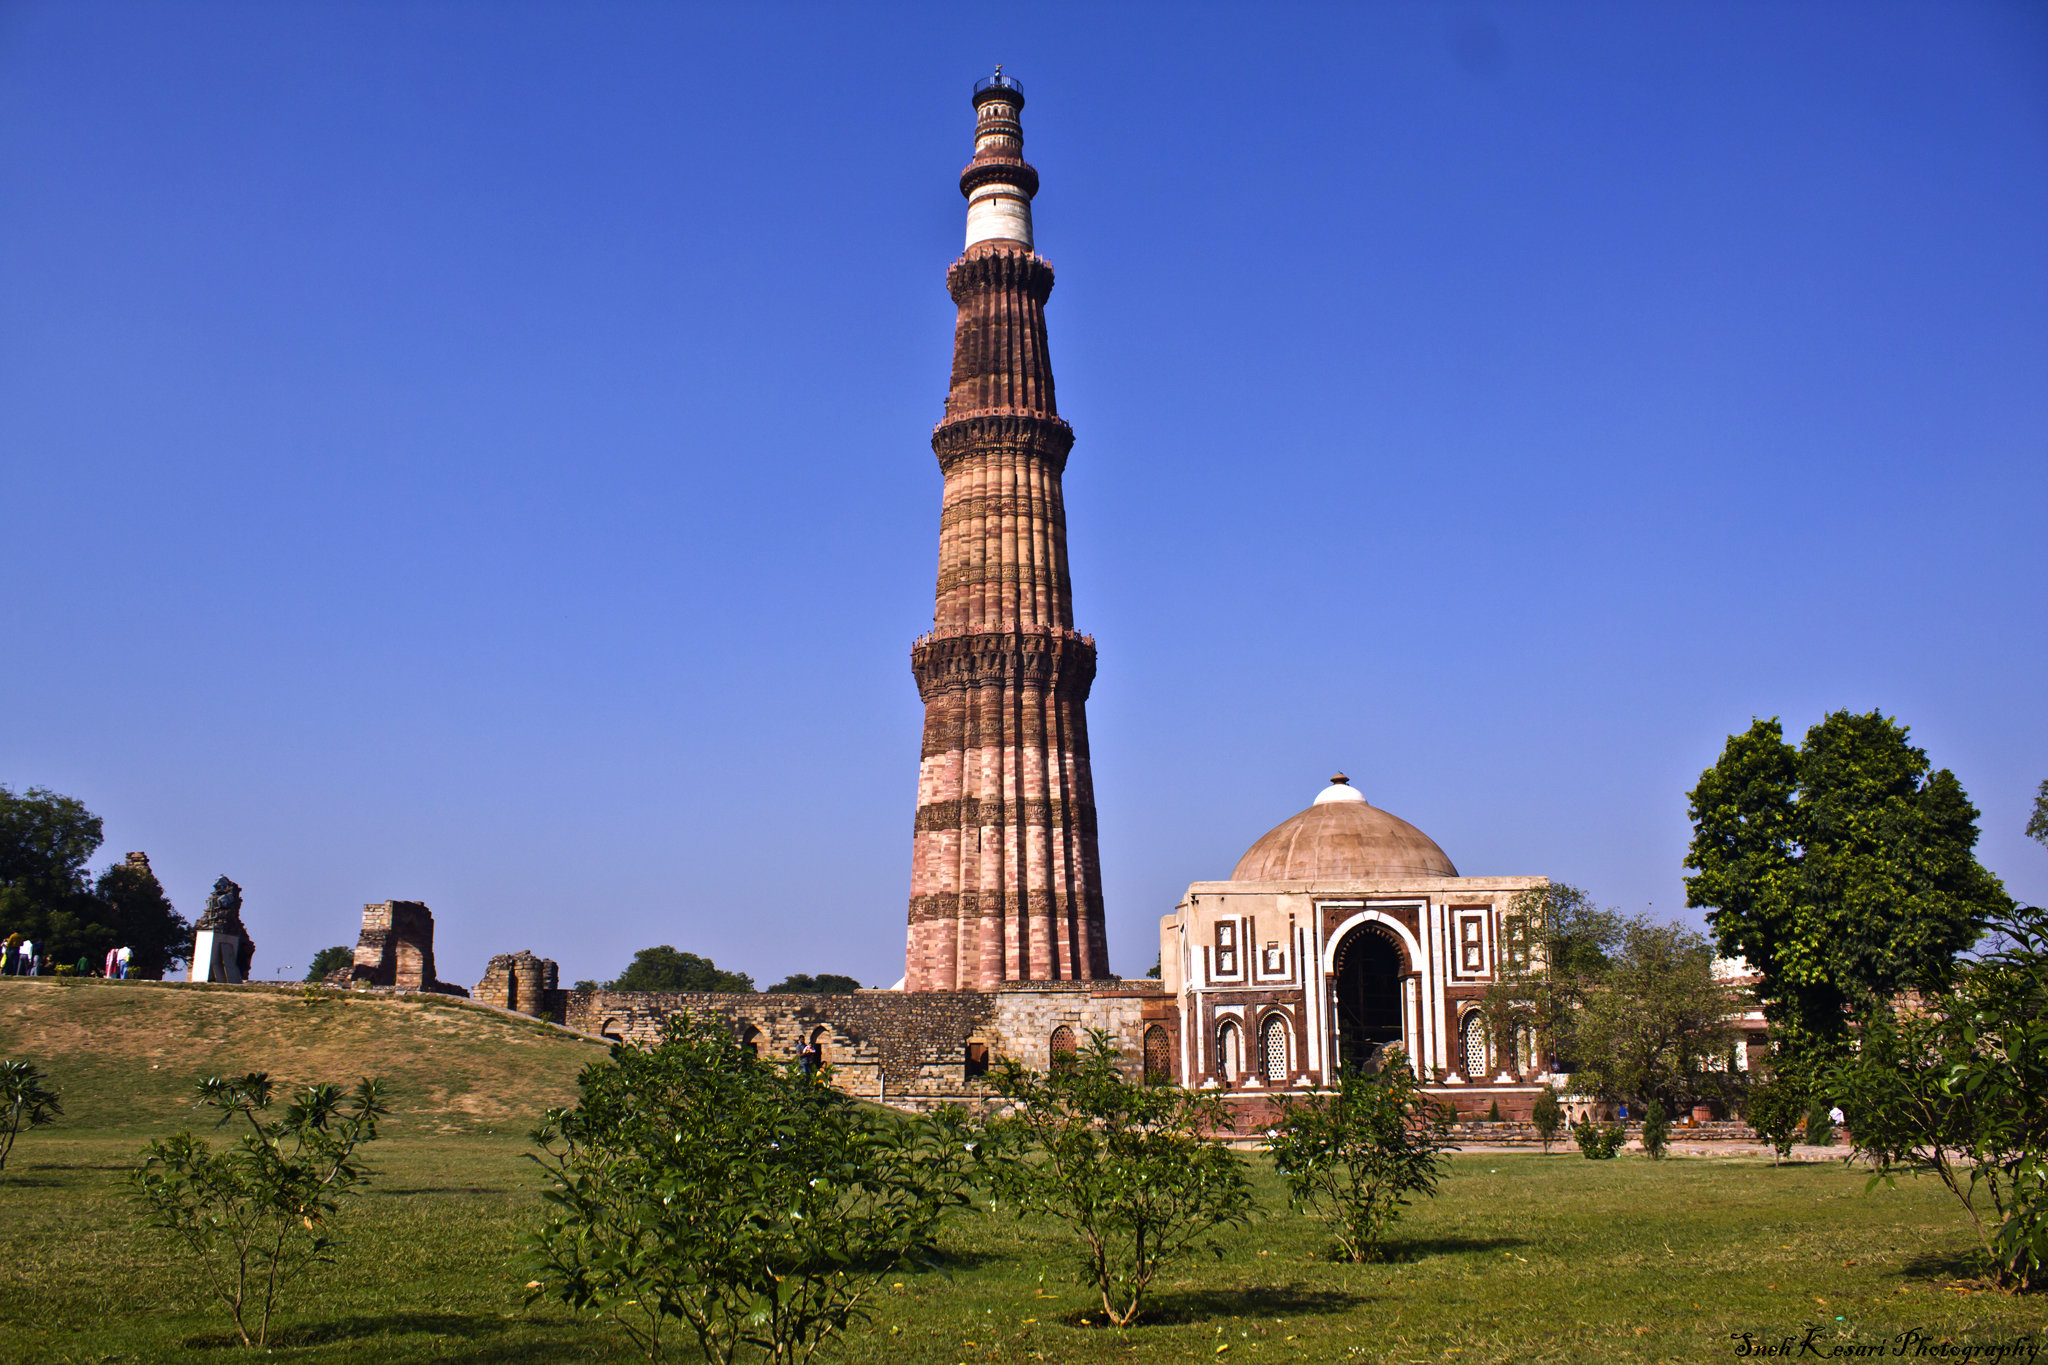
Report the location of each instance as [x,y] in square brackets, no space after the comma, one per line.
[1343,932]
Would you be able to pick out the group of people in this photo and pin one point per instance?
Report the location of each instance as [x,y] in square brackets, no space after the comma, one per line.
[19,957]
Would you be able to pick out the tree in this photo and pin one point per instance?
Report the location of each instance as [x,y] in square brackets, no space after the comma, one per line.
[141,918]
[45,843]
[1356,1153]
[1956,1085]
[1842,871]
[329,960]
[802,983]
[1548,1116]
[2037,823]
[1128,1167]
[1774,1109]
[694,1187]
[1654,1023]
[1555,945]
[1656,1131]
[665,969]
[25,1102]
[260,1213]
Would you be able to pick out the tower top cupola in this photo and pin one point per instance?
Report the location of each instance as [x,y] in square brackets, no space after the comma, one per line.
[998,183]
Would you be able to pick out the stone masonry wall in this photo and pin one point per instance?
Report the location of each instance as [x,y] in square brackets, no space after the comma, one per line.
[523,982]
[909,1049]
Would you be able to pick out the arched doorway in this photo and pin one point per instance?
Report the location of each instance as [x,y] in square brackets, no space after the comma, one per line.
[1368,995]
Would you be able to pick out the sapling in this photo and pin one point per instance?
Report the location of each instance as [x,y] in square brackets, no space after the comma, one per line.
[1354,1154]
[260,1213]
[25,1102]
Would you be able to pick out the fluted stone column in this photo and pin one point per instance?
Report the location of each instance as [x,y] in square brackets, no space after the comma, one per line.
[1005,881]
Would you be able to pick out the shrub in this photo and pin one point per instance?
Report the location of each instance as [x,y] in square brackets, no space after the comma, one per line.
[25,1102]
[1656,1130]
[1354,1154]
[1128,1167]
[1493,1112]
[1774,1109]
[1548,1117]
[258,1214]
[1820,1127]
[1599,1142]
[695,1186]
[1958,1089]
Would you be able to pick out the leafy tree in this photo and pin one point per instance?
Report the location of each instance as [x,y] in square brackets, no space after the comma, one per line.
[1128,1167]
[802,983]
[1654,1023]
[259,1214]
[2037,823]
[25,1102]
[330,960]
[1556,944]
[1656,1131]
[1774,1108]
[140,917]
[1356,1153]
[1548,1116]
[45,842]
[665,969]
[1842,870]
[695,1187]
[1956,1086]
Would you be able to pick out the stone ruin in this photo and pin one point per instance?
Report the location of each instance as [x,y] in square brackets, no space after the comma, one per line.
[221,947]
[524,984]
[395,951]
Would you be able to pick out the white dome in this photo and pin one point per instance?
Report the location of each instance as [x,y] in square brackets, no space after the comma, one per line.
[1338,791]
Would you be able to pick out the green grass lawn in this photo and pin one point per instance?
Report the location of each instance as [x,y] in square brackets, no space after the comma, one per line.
[1522,1257]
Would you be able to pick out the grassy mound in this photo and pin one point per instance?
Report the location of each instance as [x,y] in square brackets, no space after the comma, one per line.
[125,1054]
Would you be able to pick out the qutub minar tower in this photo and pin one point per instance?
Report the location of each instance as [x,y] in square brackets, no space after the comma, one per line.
[1005,881]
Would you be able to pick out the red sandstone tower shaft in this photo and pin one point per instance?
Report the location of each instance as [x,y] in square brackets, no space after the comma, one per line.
[1005,883]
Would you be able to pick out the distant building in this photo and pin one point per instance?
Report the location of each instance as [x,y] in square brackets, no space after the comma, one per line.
[1344,931]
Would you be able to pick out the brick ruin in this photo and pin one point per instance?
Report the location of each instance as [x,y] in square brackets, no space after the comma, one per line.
[912,1050]
[395,951]
[523,983]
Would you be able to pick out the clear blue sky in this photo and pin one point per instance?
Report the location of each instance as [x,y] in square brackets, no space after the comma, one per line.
[476,453]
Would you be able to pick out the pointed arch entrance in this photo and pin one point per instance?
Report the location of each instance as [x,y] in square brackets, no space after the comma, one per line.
[1369,971]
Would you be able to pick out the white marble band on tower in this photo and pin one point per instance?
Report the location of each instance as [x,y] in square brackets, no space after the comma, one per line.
[998,212]
[998,183]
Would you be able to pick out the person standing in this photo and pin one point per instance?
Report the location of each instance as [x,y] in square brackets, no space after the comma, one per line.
[112,968]
[807,1058]
[28,955]
[122,962]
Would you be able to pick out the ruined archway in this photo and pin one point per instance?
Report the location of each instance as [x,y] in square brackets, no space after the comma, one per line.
[1369,971]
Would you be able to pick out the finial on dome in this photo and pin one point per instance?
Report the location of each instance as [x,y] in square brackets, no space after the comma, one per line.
[1340,790]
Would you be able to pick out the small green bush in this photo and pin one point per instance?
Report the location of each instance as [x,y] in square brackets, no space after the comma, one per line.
[1656,1131]
[1493,1112]
[1548,1117]
[1820,1129]
[1599,1142]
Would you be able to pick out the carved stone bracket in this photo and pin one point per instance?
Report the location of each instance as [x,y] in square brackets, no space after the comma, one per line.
[1048,437]
[1060,663]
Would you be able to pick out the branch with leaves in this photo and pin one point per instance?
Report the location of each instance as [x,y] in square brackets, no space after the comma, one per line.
[259,1213]
[25,1102]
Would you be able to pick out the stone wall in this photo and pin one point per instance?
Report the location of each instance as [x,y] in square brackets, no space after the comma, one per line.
[395,950]
[911,1049]
[524,983]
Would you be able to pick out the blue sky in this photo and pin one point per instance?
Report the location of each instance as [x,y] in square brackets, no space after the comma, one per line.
[476,453]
